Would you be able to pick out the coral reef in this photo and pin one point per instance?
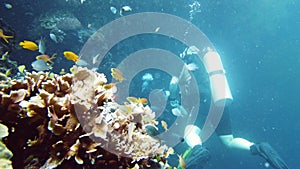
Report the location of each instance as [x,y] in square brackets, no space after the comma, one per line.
[72,121]
[5,154]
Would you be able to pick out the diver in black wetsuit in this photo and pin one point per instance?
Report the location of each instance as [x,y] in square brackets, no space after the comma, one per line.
[198,156]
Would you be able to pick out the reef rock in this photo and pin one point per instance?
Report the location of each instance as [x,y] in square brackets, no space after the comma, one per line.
[69,24]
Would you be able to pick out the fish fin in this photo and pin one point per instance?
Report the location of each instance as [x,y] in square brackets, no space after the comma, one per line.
[53,56]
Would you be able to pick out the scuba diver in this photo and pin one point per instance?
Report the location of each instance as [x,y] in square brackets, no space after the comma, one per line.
[196,155]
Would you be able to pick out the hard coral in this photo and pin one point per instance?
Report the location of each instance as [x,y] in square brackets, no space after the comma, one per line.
[5,154]
[72,121]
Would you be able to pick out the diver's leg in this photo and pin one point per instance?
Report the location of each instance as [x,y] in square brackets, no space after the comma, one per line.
[196,156]
[262,149]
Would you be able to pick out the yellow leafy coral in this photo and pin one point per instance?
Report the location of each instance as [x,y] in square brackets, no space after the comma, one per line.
[72,120]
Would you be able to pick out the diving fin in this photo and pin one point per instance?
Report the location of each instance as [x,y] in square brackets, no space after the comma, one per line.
[268,153]
[197,158]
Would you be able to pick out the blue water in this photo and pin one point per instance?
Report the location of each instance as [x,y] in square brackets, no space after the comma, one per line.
[257,40]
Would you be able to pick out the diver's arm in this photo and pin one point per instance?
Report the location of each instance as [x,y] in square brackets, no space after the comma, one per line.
[224,131]
[237,143]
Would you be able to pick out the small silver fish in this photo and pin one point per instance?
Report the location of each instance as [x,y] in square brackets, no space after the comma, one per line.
[147,77]
[40,65]
[53,37]
[42,46]
[192,50]
[113,10]
[125,9]
[8,6]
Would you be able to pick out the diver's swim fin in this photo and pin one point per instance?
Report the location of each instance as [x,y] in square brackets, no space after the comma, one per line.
[197,158]
[269,154]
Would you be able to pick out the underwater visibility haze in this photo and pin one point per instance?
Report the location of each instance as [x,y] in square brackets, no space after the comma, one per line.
[132,84]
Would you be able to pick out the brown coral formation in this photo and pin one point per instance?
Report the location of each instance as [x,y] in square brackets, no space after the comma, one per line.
[5,154]
[72,121]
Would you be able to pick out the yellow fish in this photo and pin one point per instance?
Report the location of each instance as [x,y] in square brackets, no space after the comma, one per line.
[137,100]
[4,37]
[169,152]
[164,125]
[117,74]
[51,75]
[71,56]
[26,44]
[8,72]
[109,86]
[21,68]
[182,163]
[4,56]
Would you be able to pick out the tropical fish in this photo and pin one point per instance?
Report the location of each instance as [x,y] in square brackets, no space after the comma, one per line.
[4,37]
[21,68]
[191,66]
[71,56]
[117,74]
[113,10]
[53,37]
[170,151]
[42,46]
[8,6]
[176,112]
[109,86]
[137,100]
[46,58]
[147,77]
[62,72]
[192,50]
[179,111]
[29,45]
[132,99]
[125,9]
[174,88]
[164,125]
[51,75]
[40,65]
[89,26]
[8,72]
[182,163]
[3,57]
[72,70]
[143,100]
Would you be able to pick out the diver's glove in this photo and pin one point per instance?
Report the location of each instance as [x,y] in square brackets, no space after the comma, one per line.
[269,154]
[197,158]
